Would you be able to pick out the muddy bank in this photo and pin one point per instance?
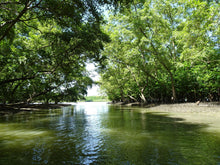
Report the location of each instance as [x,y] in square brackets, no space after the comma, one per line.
[178,107]
[188,107]
[15,108]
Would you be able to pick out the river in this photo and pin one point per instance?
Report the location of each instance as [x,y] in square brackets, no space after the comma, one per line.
[98,133]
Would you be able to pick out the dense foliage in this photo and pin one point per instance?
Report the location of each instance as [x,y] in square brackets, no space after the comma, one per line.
[44,47]
[163,51]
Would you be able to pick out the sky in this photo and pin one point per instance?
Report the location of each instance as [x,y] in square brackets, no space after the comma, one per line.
[94,91]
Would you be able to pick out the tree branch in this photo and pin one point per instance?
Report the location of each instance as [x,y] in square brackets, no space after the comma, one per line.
[14,22]
[31,26]
[9,3]
[16,79]
[41,93]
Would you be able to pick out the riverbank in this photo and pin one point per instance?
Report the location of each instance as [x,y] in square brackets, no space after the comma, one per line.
[15,108]
[181,107]
[188,107]
[178,107]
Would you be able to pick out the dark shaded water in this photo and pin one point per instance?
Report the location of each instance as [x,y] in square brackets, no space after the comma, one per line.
[95,133]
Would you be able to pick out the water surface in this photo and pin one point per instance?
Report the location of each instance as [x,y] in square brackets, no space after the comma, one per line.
[96,133]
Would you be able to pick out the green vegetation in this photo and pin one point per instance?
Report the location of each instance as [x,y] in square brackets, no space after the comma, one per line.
[163,51]
[159,51]
[44,47]
[95,99]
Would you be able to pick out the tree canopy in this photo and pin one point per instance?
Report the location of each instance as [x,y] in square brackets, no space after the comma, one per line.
[148,51]
[163,51]
[44,47]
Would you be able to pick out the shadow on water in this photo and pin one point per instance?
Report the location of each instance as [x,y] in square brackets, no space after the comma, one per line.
[98,134]
[159,139]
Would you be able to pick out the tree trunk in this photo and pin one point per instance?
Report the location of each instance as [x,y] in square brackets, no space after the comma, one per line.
[142,95]
[131,97]
[143,98]
[46,101]
[173,89]
[122,95]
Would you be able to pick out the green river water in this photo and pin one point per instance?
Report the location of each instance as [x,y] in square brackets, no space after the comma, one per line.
[98,133]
